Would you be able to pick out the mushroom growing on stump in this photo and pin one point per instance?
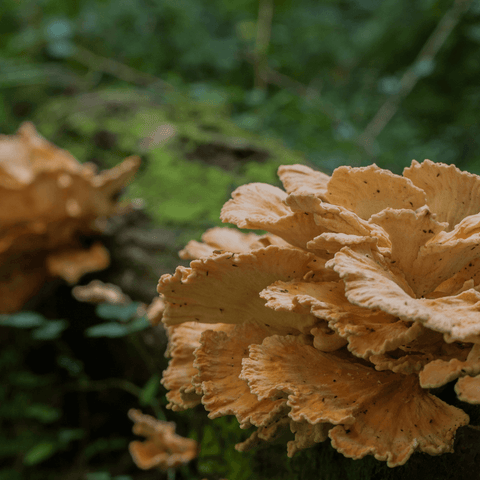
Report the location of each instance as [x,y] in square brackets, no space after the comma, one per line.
[362,297]
[49,200]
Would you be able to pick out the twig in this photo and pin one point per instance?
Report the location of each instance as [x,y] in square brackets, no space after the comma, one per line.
[411,76]
[117,69]
[264,29]
[302,90]
[284,81]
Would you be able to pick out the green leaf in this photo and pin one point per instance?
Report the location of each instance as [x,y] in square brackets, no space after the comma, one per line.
[210,442]
[149,391]
[138,324]
[117,312]
[206,94]
[73,366]
[425,67]
[61,48]
[26,379]
[58,28]
[10,474]
[68,435]
[10,447]
[43,413]
[98,476]
[248,121]
[255,97]
[105,445]
[111,330]
[39,453]
[50,331]
[389,85]
[473,32]
[246,30]
[22,320]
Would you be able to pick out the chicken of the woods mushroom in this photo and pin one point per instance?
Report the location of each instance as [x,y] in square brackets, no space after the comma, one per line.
[49,200]
[363,295]
[162,447]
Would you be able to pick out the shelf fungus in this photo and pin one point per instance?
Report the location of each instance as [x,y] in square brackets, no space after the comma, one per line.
[50,202]
[98,292]
[163,448]
[362,297]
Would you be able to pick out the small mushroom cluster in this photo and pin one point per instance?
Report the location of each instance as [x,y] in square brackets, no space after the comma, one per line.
[363,295]
[48,201]
[163,448]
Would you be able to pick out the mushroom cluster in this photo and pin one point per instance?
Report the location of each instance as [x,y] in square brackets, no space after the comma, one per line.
[49,201]
[163,448]
[363,295]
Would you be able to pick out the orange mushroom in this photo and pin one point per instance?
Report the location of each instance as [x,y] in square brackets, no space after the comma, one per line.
[364,297]
[49,200]
[99,292]
[163,448]
[155,311]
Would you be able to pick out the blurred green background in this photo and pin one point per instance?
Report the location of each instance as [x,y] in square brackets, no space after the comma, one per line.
[212,94]
[312,73]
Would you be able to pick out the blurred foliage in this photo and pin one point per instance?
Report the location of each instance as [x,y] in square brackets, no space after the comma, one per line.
[46,397]
[190,174]
[123,322]
[341,60]
[179,82]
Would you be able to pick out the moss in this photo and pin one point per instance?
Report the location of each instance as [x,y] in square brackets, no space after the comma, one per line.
[185,180]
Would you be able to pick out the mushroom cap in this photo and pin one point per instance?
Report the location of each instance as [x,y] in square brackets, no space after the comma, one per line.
[163,448]
[259,206]
[371,282]
[306,435]
[155,310]
[451,194]
[40,182]
[266,433]
[49,200]
[26,154]
[468,389]
[331,218]
[303,180]
[367,332]
[440,372]
[98,292]
[72,264]
[409,232]
[340,328]
[379,413]
[191,294]
[327,340]
[219,363]
[369,190]
[220,239]
[183,340]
